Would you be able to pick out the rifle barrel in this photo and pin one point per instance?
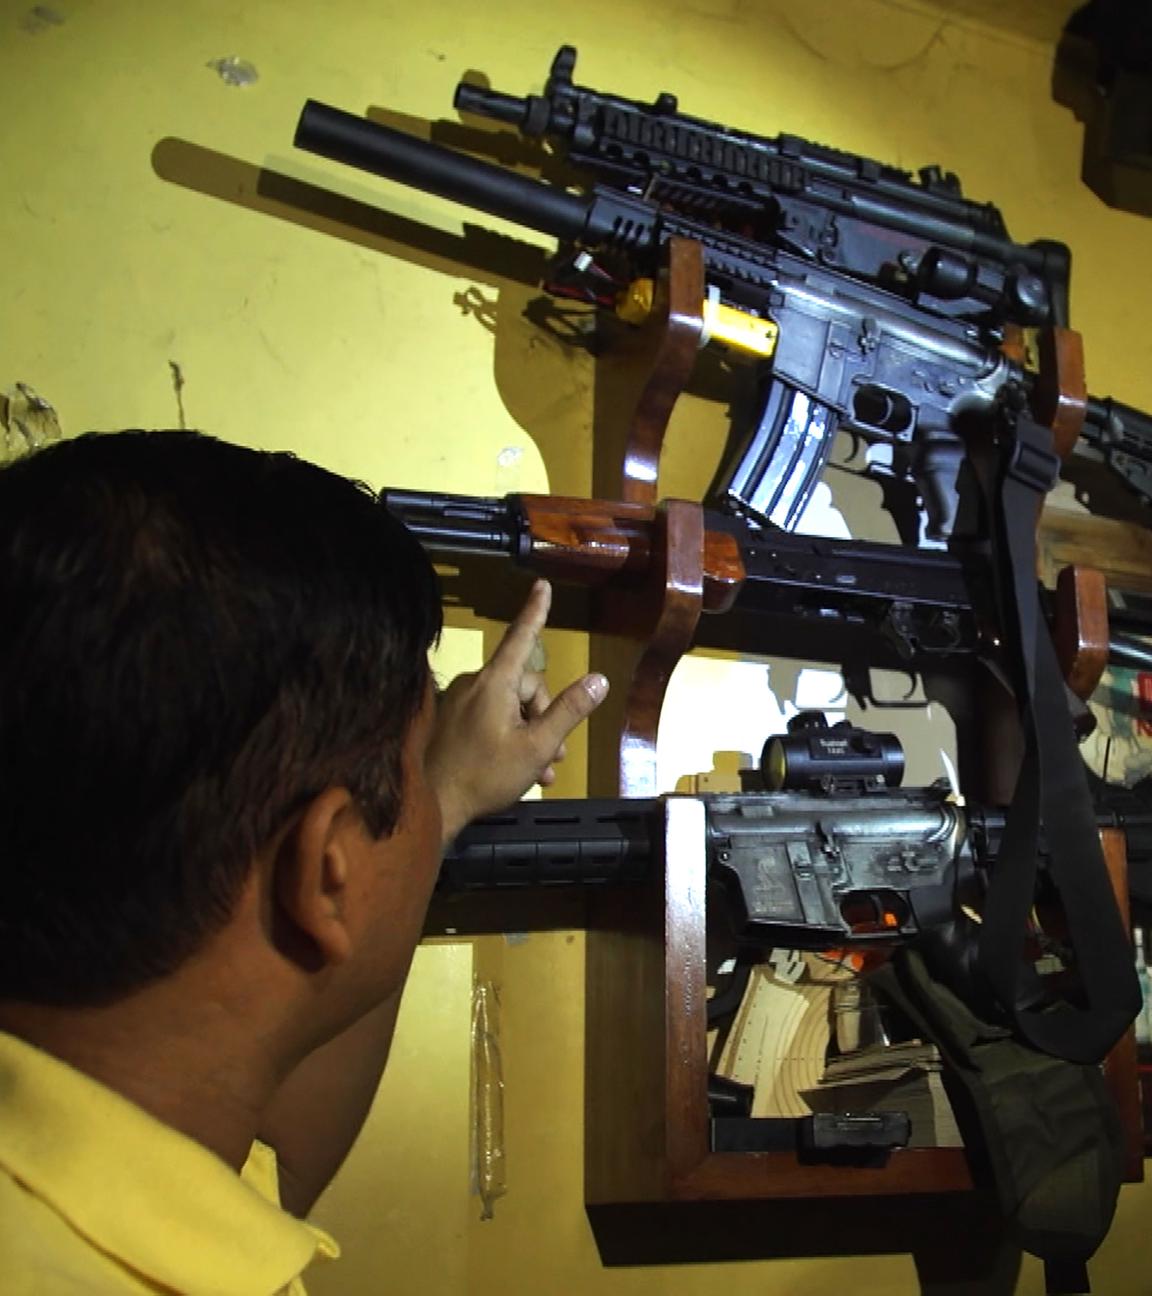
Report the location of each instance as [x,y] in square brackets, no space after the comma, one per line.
[459,524]
[511,109]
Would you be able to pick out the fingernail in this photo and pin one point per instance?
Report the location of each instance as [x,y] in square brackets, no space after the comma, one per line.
[597,686]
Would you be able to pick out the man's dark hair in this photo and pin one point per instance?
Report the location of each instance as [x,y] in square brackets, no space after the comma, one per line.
[195,640]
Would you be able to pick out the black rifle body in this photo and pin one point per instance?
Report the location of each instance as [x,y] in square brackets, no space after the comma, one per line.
[807,597]
[890,296]
[917,235]
[846,354]
[803,869]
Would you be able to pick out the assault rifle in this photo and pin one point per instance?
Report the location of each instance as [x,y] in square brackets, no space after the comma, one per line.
[917,236]
[782,594]
[836,853]
[872,302]
[823,849]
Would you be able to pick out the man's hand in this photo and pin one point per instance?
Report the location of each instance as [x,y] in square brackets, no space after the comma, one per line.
[498,730]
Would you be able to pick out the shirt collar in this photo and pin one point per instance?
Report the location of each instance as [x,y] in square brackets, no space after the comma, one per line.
[138,1189]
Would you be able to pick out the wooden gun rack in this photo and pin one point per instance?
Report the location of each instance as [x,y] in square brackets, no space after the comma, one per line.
[646,1104]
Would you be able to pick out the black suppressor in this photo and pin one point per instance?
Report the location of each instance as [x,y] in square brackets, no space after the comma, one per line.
[535,204]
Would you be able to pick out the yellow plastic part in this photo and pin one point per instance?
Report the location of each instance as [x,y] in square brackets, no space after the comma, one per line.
[740,331]
[634,304]
[724,324]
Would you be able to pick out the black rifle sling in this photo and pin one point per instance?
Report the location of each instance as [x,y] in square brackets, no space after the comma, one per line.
[1052,790]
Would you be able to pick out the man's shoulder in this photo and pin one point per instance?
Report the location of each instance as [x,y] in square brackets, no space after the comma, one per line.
[98,1195]
[42,1254]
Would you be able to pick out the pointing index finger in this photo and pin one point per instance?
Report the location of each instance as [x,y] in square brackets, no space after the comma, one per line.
[514,651]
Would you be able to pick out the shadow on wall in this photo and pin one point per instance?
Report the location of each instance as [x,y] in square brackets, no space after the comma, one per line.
[543,347]
[505,274]
[957,1242]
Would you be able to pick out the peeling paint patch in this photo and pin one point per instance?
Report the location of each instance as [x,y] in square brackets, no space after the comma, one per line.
[234,71]
[39,18]
[28,421]
[507,473]
[178,388]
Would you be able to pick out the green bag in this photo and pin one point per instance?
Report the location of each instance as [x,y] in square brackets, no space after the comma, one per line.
[1048,1128]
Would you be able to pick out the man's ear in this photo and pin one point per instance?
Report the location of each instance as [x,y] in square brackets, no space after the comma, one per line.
[313,868]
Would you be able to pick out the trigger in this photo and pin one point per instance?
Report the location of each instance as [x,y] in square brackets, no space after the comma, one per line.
[857,441]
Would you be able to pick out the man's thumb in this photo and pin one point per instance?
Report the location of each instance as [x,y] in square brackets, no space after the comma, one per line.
[576,703]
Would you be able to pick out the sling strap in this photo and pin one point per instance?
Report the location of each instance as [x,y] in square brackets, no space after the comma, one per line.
[1051,790]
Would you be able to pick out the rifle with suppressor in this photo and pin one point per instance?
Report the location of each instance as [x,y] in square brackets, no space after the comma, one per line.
[917,236]
[871,302]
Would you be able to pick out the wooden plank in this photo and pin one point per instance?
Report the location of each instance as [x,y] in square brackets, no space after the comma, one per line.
[685,996]
[624,1107]
[1120,550]
[757,1175]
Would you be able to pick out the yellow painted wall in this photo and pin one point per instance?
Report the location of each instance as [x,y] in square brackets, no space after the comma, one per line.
[150,213]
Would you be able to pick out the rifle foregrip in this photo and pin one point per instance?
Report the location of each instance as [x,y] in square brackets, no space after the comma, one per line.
[557,843]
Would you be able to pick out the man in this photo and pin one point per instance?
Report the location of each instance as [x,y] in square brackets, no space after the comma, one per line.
[225,784]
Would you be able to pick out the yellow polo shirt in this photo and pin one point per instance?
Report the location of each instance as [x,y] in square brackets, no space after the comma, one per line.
[97,1196]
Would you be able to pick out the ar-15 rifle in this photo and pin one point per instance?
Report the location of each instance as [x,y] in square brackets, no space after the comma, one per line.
[835,853]
[878,304]
[824,849]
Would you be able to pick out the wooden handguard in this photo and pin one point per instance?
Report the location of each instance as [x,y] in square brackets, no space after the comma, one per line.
[591,541]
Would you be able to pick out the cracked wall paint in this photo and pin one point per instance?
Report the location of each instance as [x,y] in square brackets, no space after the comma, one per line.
[234,71]
[27,420]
